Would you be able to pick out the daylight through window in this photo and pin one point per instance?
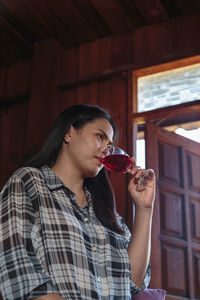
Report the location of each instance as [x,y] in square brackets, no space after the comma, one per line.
[169,88]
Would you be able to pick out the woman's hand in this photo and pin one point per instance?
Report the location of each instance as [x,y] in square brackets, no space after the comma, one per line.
[142,186]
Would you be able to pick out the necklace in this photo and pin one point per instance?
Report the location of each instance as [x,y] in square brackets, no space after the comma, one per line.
[82,200]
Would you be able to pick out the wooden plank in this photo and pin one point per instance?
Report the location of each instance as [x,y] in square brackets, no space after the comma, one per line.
[152,11]
[89,58]
[155,59]
[174,159]
[6,58]
[67,98]
[71,19]
[87,10]
[132,13]
[131,136]
[12,133]
[25,10]
[7,11]
[53,23]
[122,50]
[196,263]
[167,66]
[176,114]
[104,54]
[113,15]
[18,85]
[4,153]
[187,7]
[12,41]
[44,92]
[171,8]
[3,77]
[151,162]
[188,36]
[69,64]
[174,261]
[9,29]
[151,43]
[88,94]
[168,42]
[82,80]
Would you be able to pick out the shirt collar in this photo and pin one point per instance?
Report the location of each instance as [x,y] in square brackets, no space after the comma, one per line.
[54,182]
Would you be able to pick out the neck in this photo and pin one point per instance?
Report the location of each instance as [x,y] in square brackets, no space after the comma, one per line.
[71,178]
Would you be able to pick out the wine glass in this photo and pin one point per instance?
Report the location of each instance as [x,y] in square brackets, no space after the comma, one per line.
[117,160]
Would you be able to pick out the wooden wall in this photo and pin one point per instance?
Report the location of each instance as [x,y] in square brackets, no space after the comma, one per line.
[33,92]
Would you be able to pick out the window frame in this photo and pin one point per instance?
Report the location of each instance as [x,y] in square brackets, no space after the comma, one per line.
[169,115]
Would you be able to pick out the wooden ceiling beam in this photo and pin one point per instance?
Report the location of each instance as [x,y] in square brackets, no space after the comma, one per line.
[5,55]
[29,17]
[12,52]
[113,15]
[171,8]
[72,20]
[14,23]
[52,23]
[96,22]
[152,11]
[11,34]
[186,7]
[132,13]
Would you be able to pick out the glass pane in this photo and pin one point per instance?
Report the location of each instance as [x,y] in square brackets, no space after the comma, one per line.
[190,130]
[190,134]
[169,88]
[140,153]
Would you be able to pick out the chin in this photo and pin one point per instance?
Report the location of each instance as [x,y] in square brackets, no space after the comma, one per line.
[93,173]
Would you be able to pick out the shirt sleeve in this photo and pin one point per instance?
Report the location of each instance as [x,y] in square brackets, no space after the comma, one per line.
[127,236]
[21,274]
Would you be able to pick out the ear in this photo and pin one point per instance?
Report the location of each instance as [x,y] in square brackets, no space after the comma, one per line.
[68,135]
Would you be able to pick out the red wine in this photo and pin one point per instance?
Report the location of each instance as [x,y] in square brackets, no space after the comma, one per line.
[116,162]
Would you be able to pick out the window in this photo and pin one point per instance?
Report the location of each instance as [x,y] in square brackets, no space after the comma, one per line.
[164,86]
[168,88]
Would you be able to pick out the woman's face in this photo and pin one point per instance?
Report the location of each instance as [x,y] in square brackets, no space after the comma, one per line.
[86,145]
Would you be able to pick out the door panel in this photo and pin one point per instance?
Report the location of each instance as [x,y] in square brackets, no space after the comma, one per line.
[176,224]
[170,163]
[194,171]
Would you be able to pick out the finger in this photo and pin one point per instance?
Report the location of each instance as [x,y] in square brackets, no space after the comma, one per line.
[146,177]
[133,170]
[133,161]
[139,173]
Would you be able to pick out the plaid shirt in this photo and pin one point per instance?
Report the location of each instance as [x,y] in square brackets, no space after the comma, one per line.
[49,244]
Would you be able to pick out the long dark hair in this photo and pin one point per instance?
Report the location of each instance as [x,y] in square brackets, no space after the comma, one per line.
[99,186]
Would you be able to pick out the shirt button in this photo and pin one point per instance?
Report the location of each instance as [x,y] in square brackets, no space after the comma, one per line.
[86,219]
[94,248]
[98,282]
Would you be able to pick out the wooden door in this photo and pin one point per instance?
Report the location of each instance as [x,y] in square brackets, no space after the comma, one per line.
[176,221]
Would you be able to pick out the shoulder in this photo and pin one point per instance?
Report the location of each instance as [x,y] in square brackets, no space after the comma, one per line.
[27,174]
[26,177]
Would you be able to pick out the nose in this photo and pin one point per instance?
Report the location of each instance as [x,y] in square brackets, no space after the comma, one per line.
[106,149]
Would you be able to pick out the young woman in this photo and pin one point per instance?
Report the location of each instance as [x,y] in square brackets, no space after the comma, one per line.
[60,235]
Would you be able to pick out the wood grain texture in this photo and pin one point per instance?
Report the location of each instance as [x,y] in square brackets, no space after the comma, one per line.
[175,237]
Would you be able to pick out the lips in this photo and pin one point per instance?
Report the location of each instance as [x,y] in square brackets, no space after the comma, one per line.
[99,159]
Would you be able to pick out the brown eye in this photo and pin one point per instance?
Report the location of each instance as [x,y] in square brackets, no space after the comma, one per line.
[100,137]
